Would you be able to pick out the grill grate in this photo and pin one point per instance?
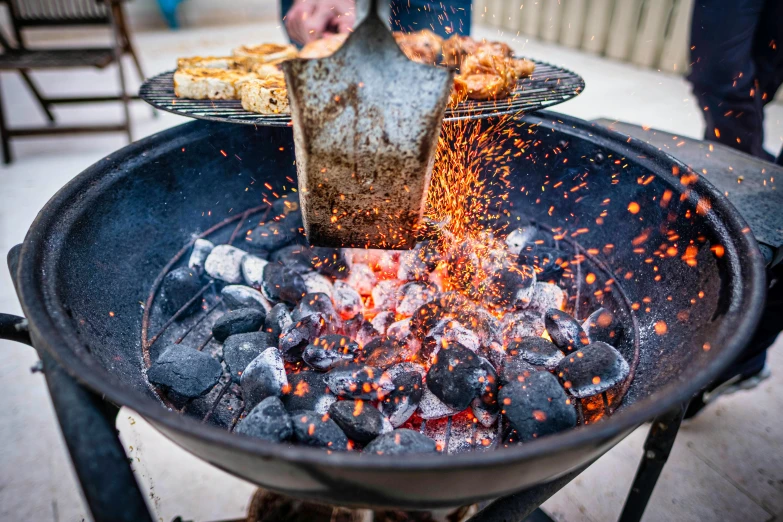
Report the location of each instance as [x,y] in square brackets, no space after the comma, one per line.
[549,85]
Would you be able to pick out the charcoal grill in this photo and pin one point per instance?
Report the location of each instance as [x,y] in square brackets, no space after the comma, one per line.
[548,86]
[142,204]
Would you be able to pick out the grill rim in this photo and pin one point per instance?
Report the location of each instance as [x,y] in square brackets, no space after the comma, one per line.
[531,94]
[51,328]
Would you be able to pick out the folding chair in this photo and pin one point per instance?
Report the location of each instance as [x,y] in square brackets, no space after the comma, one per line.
[25,14]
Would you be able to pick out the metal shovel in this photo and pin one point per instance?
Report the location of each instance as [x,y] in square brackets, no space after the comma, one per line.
[366,126]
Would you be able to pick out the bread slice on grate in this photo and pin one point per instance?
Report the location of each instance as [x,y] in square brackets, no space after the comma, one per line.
[229,63]
[209,84]
[266,53]
[267,96]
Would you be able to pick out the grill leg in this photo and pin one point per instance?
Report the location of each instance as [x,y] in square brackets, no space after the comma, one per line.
[38,96]
[4,136]
[657,448]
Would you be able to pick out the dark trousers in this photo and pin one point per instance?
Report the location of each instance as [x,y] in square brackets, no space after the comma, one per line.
[444,17]
[737,67]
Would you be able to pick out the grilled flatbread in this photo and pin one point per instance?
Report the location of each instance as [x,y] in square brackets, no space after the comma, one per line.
[236,63]
[209,84]
[267,96]
[266,53]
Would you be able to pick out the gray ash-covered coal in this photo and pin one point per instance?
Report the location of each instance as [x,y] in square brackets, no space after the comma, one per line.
[452,346]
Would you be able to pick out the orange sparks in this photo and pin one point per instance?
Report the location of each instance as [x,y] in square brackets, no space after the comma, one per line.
[718,250]
[661,328]
[590,278]
[633,207]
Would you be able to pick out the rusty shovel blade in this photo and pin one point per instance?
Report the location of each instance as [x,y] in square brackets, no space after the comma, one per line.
[366,126]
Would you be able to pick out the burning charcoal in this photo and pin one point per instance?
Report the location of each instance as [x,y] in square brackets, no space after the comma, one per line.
[448,331]
[358,419]
[401,403]
[547,262]
[321,358]
[508,284]
[273,235]
[296,336]
[244,320]
[592,369]
[362,279]
[520,237]
[456,378]
[318,430]
[225,263]
[537,407]
[541,297]
[315,304]
[383,321]
[364,256]
[515,368]
[458,434]
[366,333]
[263,377]
[383,352]
[494,353]
[253,270]
[178,287]
[488,394]
[240,296]
[603,326]
[316,283]
[185,371]
[277,320]
[307,391]
[298,258]
[400,442]
[431,407]
[426,318]
[485,416]
[240,349]
[283,284]
[405,367]
[201,250]
[267,421]
[484,324]
[330,262]
[387,265]
[347,301]
[411,296]
[339,343]
[359,382]
[401,331]
[351,326]
[416,264]
[516,325]
[384,295]
[535,350]
[564,330]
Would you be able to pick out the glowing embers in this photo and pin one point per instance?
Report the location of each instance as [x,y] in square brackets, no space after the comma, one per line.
[425,340]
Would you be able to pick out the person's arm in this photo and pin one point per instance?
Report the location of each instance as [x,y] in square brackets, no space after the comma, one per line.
[309,20]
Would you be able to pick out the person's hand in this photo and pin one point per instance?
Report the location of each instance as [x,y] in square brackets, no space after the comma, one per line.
[309,20]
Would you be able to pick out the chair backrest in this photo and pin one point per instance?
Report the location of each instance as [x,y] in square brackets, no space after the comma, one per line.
[48,13]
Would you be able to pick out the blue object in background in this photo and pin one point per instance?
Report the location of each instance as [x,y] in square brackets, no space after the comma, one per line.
[168,9]
[444,17]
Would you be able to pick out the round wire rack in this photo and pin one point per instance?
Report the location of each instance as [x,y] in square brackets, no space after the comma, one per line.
[548,85]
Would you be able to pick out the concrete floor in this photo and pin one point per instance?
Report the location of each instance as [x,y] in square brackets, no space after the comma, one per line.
[726,465]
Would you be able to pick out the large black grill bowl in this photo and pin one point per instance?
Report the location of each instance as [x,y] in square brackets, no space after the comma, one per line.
[99,243]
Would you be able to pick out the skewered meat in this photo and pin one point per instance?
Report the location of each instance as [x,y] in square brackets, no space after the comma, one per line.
[323,47]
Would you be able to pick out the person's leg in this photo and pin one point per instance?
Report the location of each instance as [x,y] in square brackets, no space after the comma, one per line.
[443,17]
[723,72]
[768,53]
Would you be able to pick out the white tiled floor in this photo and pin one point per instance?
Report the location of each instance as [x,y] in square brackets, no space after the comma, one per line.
[726,465]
